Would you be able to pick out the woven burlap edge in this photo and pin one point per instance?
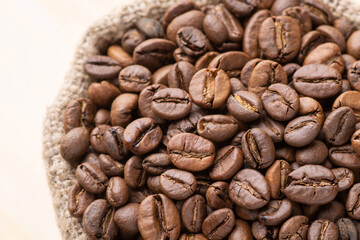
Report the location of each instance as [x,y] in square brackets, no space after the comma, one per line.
[107,30]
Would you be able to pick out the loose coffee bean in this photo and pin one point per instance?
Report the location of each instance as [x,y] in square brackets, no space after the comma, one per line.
[126,219]
[311,185]
[273,128]
[231,62]
[102,117]
[355,141]
[97,138]
[345,86]
[98,221]
[241,230]
[131,39]
[332,211]
[153,183]
[261,231]
[119,54]
[137,196]
[79,113]
[353,75]
[228,161]
[309,41]
[191,41]
[236,85]
[248,69]
[156,163]
[295,227]
[347,229]
[204,60]
[102,67]
[312,108]
[193,213]
[215,29]
[187,236]
[145,99]
[314,153]
[177,9]
[310,211]
[285,152]
[319,12]
[258,148]
[344,156]
[276,212]
[280,5]
[74,145]
[92,158]
[203,182]
[302,17]
[103,94]
[323,229]
[217,196]
[350,99]
[217,127]
[246,214]
[142,136]
[344,26]
[122,109]
[171,103]
[249,189]
[114,143]
[180,75]
[191,152]
[345,178]
[78,200]
[150,28]
[352,202]
[134,174]
[290,69]
[177,184]
[91,178]
[134,78]
[110,167]
[301,131]
[158,218]
[218,224]
[209,88]
[277,178]
[245,106]
[117,192]
[353,46]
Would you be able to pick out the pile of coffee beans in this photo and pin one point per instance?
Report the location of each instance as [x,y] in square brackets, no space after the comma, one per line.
[232,121]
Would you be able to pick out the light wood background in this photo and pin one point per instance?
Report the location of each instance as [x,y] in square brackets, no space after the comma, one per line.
[37,42]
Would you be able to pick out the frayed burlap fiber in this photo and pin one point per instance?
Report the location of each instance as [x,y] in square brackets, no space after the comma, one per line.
[107,30]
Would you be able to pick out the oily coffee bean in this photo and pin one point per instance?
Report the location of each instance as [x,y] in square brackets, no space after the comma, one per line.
[302,17]
[231,62]
[98,221]
[227,162]
[258,148]
[180,75]
[192,41]
[217,196]
[332,35]
[117,192]
[276,212]
[332,211]
[261,231]
[311,185]
[246,214]
[114,143]
[274,129]
[145,99]
[92,158]
[215,29]
[131,39]
[344,156]
[97,138]
[245,106]
[290,69]
[78,200]
[277,177]
[74,145]
[103,94]
[137,196]
[122,109]
[280,5]
[150,28]
[355,141]
[241,230]
[294,228]
[236,141]
[301,131]
[191,152]
[110,167]
[204,60]
[160,76]
[102,67]
[344,26]
[171,103]
[177,184]
[350,99]
[348,60]
[309,41]
[193,213]
[323,229]
[156,163]
[219,223]
[203,182]
[345,86]
[236,85]
[135,176]
[281,102]
[249,189]
[217,127]
[119,54]
[353,46]
[126,219]
[142,136]
[79,113]
[248,69]
[190,236]
[177,9]
[154,53]
[345,178]
[209,88]
[134,78]
[158,218]
[352,202]
[180,56]
[102,117]
[153,183]
[347,229]
[285,152]
[91,178]
[353,75]
[314,153]
[280,38]
[319,12]
[311,107]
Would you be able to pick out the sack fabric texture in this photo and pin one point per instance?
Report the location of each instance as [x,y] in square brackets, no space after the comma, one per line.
[107,30]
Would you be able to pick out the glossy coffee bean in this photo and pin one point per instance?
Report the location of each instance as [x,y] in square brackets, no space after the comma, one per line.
[323,229]
[217,196]
[248,69]
[102,117]
[261,231]
[332,34]
[110,167]
[290,69]
[177,9]
[231,62]
[277,178]
[119,54]
[97,138]
[92,158]
[74,145]
[302,17]
[180,75]
[344,26]
[134,174]
[353,46]
[319,12]
[126,219]
[153,183]
[280,5]
[156,163]
[314,153]
[131,39]
[79,113]
[117,192]
[192,41]
[114,143]
[285,152]
[274,129]
[241,230]
[219,223]
[78,200]
[344,156]
[91,178]
[309,41]
[349,99]
[188,236]
[353,75]
[246,214]
[204,60]
[102,94]
[150,28]
[347,229]
[134,78]
[144,102]
[345,178]
[236,85]
[122,109]
[245,106]
[275,212]
[355,141]
[311,107]
[295,227]
[177,184]
[301,131]
[193,213]
[102,67]
[217,127]
[215,29]
[352,202]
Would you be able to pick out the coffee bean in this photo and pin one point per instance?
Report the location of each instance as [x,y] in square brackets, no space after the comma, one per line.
[215,29]
[312,108]
[97,138]
[344,156]
[209,88]
[260,231]
[177,184]
[258,148]
[110,167]
[301,131]
[217,196]
[159,211]
[92,158]
[231,62]
[120,55]
[245,106]
[276,212]
[177,9]
[189,236]
[241,230]
[134,78]
[102,117]
[344,26]
[98,221]
[285,152]
[319,12]
[156,163]
[246,214]
[353,75]
[333,35]
[135,176]
[332,211]
[150,28]
[309,41]
[191,152]
[217,127]
[350,99]
[137,196]
[102,94]
[145,99]
[126,219]
[91,178]
[117,192]
[114,143]
[102,67]
[218,224]
[74,145]
[79,113]
[277,178]
[312,185]
[249,189]
[203,182]
[122,109]
[355,141]
[131,39]
[204,60]
[347,229]
[353,46]
[323,229]
[180,75]
[290,69]
[314,153]
[274,129]
[352,202]
[295,227]
[302,17]
[236,85]
[191,41]
[310,211]
[280,5]
[78,200]
[193,213]
[153,183]
[345,178]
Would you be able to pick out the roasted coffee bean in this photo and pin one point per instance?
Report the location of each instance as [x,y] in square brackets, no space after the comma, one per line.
[353,75]
[323,229]
[102,117]
[231,62]
[227,162]
[193,213]
[349,99]
[290,69]
[153,183]
[285,152]
[119,54]
[156,163]
[328,54]
[352,202]
[312,108]
[74,145]
[273,128]
[347,229]
[191,152]
[137,196]
[245,106]
[281,102]
[110,167]
[344,26]
[135,176]
[188,236]
[301,131]
[98,221]
[332,211]
[217,127]
[345,178]
[134,78]
[261,231]
[218,224]
[276,212]
[311,185]
[154,53]
[236,85]
[248,69]
[241,231]
[160,75]
[294,228]
[177,184]
[171,103]
[122,109]
[142,136]
[150,28]
[117,192]
[217,196]
[102,67]
[177,9]
[209,88]
[339,126]
[97,138]
[280,5]
[215,29]
[191,41]
[78,200]
[310,211]
[309,41]
[102,94]
[145,99]
[258,148]
[204,60]
[246,214]
[79,113]
[264,74]
[319,12]
[345,86]
[277,178]
[126,219]
[314,153]
[353,46]
[344,156]
[158,218]
[114,143]
[131,39]
[348,60]
[302,17]
[92,158]
[355,141]
[249,189]
[91,178]
[332,34]
[180,75]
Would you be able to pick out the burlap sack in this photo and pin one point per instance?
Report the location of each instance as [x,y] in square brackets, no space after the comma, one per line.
[109,29]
